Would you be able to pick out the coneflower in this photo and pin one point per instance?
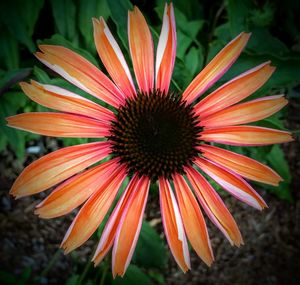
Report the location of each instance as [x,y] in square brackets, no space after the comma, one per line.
[151,135]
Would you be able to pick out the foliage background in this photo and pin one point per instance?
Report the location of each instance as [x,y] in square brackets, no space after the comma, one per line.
[203,28]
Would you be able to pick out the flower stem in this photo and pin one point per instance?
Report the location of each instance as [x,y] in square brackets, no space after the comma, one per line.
[51,263]
[85,270]
[104,272]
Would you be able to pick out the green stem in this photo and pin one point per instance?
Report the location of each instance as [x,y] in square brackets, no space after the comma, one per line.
[104,272]
[85,270]
[51,263]
[176,85]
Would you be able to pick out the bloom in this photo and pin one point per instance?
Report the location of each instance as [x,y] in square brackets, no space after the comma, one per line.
[150,135]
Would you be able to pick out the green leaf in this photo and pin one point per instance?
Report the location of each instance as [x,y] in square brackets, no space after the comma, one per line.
[12,77]
[74,141]
[191,9]
[238,15]
[222,35]
[25,275]
[181,75]
[278,162]
[64,12]
[73,280]
[119,11]
[9,52]
[3,144]
[7,278]
[41,75]
[30,11]
[15,138]
[16,99]
[272,122]
[189,28]
[87,10]
[194,60]
[183,44]
[20,17]
[263,43]
[156,276]
[90,282]
[263,17]
[150,251]
[133,276]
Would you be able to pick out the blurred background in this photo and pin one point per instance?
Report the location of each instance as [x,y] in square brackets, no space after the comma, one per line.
[29,246]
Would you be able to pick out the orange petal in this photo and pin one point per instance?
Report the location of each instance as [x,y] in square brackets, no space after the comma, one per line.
[245,135]
[141,49]
[214,207]
[110,230]
[166,50]
[59,125]
[112,57]
[80,72]
[242,165]
[248,112]
[234,184]
[58,166]
[129,227]
[235,90]
[63,100]
[193,221]
[216,68]
[173,225]
[93,211]
[72,193]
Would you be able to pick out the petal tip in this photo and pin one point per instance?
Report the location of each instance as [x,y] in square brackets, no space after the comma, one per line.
[23,85]
[65,248]
[209,261]
[15,192]
[245,36]
[290,139]
[38,213]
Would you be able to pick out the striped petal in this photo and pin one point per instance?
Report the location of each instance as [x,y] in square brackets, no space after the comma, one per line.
[80,72]
[59,125]
[173,226]
[235,90]
[248,112]
[93,211]
[57,166]
[72,193]
[129,227]
[166,50]
[240,164]
[63,100]
[193,220]
[214,207]
[216,68]
[245,135]
[234,184]
[141,49]
[110,230]
[112,57]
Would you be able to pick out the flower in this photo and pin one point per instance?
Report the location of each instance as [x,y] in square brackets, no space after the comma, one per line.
[151,135]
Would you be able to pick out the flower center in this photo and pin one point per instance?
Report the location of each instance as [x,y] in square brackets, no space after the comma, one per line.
[155,134]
